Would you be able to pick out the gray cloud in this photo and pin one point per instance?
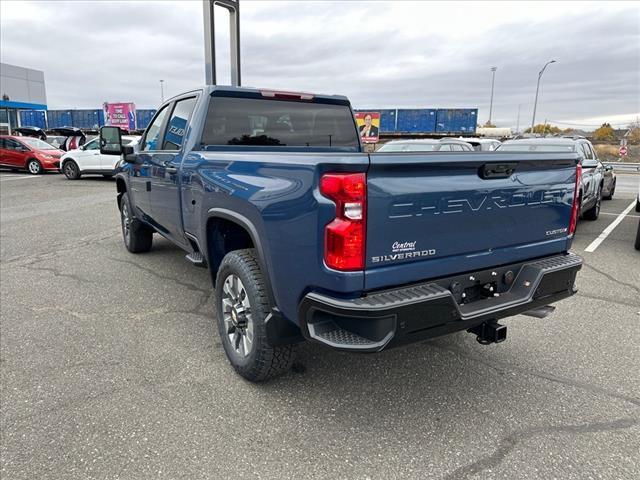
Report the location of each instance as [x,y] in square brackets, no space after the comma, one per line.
[97,51]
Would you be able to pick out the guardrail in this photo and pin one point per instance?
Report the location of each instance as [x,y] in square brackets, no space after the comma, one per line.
[623,167]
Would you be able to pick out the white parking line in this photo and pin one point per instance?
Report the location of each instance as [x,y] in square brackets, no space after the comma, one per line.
[605,233]
[7,178]
[616,214]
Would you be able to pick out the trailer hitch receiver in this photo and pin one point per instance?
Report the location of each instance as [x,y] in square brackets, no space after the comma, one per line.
[489,332]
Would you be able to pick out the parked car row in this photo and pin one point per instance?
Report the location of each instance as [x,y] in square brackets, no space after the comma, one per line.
[37,156]
[597,183]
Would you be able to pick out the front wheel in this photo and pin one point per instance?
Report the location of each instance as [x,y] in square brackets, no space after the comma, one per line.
[71,170]
[637,245]
[242,305]
[137,236]
[594,212]
[34,167]
[611,192]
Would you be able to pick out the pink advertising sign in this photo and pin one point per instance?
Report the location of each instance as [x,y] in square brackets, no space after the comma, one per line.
[121,115]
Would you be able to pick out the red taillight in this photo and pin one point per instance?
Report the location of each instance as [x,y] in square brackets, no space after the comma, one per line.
[344,240]
[575,207]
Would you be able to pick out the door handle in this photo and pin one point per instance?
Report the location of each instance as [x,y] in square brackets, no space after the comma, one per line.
[171,170]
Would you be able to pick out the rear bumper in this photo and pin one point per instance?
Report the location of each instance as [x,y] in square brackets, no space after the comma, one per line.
[416,312]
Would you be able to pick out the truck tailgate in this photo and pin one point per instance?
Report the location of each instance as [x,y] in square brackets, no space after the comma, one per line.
[435,214]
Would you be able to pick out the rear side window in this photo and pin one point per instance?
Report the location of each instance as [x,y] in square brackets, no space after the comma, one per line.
[279,123]
[177,126]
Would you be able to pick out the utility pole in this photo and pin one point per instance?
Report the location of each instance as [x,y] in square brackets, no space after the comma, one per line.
[518,121]
[210,41]
[161,92]
[535,103]
[493,80]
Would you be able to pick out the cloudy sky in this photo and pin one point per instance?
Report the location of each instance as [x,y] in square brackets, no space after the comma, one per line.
[380,54]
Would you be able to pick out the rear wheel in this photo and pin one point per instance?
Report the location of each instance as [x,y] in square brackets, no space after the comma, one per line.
[242,305]
[611,192]
[137,236]
[34,167]
[594,212]
[71,170]
[637,245]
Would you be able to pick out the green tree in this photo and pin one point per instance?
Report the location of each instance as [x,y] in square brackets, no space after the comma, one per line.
[604,134]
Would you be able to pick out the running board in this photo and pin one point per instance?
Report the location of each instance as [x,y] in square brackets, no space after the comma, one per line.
[197,259]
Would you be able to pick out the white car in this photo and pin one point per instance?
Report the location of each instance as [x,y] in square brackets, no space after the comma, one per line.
[88,159]
[483,144]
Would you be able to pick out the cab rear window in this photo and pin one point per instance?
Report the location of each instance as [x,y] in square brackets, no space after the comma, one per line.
[278,123]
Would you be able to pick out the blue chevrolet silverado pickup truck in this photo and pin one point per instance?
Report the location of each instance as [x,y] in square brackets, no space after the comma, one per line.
[309,237]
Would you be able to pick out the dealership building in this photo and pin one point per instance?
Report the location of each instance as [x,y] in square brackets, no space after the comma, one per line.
[20,89]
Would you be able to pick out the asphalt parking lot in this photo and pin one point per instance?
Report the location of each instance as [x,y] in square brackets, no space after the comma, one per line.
[111,368]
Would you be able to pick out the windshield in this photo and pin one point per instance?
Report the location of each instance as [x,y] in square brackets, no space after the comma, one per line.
[409,147]
[278,123]
[37,143]
[533,147]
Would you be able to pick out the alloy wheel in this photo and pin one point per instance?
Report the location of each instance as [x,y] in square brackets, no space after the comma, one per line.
[237,315]
[34,167]
[126,222]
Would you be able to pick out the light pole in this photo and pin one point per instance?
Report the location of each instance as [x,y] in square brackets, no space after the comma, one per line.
[161,91]
[493,80]
[535,103]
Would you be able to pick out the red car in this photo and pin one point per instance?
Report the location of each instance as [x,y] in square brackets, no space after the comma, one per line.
[28,153]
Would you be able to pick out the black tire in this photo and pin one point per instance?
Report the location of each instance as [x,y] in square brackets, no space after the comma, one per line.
[594,212]
[262,361]
[34,167]
[71,170]
[637,244]
[611,192]
[137,236]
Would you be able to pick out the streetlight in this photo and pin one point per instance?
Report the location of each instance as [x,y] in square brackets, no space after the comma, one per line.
[535,103]
[493,80]
[161,91]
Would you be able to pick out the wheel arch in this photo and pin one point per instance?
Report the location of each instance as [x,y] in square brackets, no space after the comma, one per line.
[225,231]
[121,188]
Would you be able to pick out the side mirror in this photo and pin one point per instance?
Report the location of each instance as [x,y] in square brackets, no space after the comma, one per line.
[609,168]
[110,141]
[129,154]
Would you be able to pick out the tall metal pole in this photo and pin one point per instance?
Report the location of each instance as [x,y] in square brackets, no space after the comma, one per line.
[518,121]
[161,91]
[535,103]
[209,39]
[493,80]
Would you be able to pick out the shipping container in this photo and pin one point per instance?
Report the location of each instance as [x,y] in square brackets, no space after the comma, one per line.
[33,118]
[87,119]
[388,120]
[416,120]
[143,117]
[456,120]
[59,118]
